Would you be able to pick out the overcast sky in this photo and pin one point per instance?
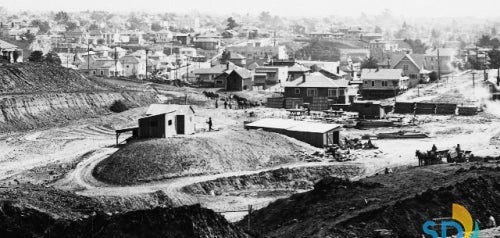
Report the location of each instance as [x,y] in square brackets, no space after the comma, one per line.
[444,8]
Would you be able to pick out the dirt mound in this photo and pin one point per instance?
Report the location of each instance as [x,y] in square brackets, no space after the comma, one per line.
[41,95]
[41,78]
[59,214]
[400,202]
[156,159]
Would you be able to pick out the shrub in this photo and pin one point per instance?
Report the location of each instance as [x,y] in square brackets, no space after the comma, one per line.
[118,106]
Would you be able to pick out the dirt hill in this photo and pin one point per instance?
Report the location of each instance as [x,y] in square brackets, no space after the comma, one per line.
[31,211]
[42,95]
[198,154]
[400,202]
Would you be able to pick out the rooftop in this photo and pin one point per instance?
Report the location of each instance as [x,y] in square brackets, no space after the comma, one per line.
[381,73]
[294,125]
[157,109]
[317,80]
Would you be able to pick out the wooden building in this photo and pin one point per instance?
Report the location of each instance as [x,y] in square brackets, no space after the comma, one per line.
[313,133]
[368,109]
[239,79]
[164,120]
[314,85]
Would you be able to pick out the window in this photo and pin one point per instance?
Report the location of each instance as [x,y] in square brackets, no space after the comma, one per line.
[102,72]
[332,93]
[297,91]
[128,66]
[312,92]
[373,83]
[342,92]
[169,122]
[405,67]
[384,83]
[366,81]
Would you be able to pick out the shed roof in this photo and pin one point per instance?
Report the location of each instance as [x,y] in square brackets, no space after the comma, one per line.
[156,109]
[293,125]
[7,45]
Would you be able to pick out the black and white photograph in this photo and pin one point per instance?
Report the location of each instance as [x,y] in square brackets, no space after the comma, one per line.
[249,119]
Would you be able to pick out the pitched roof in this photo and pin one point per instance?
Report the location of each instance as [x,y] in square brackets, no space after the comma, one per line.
[243,73]
[129,59]
[380,74]
[156,109]
[7,45]
[237,56]
[217,69]
[442,52]
[417,59]
[298,68]
[317,80]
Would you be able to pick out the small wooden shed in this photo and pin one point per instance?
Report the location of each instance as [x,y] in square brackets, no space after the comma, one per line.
[164,120]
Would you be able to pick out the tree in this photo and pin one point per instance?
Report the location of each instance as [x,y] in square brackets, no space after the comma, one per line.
[485,40]
[156,27]
[378,29]
[231,24]
[36,56]
[52,58]
[417,46]
[435,34]
[433,76]
[61,17]
[494,58]
[93,27]
[370,63]
[265,17]
[43,26]
[71,26]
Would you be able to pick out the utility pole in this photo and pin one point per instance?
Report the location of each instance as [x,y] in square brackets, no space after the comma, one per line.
[88,56]
[146,64]
[439,66]
[473,73]
[116,57]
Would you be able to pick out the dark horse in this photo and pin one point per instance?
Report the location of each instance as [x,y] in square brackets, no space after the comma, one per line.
[427,158]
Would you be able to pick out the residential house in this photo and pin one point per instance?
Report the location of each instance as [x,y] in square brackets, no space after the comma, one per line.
[188,51]
[446,58]
[297,71]
[321,35]
[163,36]
[348,56]
[256,51]
[117,52]
[103,68]
[239,79]
[371,36]
[207,43]
[273,75]
[184,39]
[413,66]
[11,53]
[314,85]
[237,59]
[382,83]
[101,50]
[133,66]
[206,77]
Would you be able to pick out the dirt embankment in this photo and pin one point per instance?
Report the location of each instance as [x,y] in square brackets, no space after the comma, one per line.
[206,153]
[400,202]
[40,95]
[31,211]
[289,179]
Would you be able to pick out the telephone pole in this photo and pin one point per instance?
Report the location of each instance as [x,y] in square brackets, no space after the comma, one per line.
[88,56]
[439,66]
[116,57]
[146,64]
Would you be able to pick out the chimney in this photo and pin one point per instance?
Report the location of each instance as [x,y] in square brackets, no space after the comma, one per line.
[227,66]
[303,78]
[338,69]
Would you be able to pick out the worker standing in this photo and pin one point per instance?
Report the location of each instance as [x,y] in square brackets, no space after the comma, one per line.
[209,122]
[434,148]
[492,222]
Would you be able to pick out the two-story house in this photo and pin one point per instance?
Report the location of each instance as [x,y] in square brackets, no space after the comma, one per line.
[382,83]
[273,75]
[133,66]
[446,57]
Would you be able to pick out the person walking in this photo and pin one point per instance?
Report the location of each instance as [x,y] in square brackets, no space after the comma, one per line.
[216,103]
[225,104]
[209,122]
